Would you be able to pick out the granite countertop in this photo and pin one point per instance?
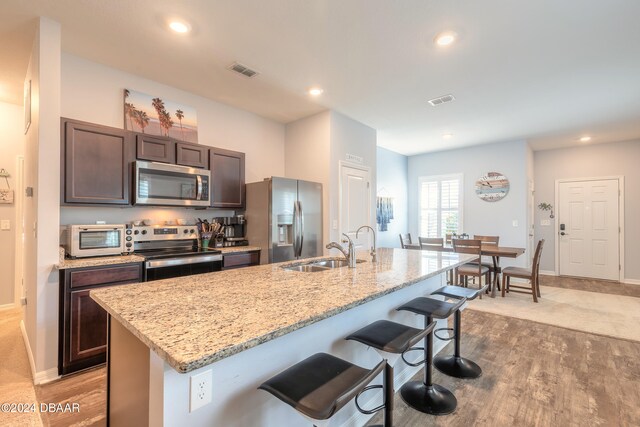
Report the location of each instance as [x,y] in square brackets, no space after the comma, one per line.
[95,261]
[238,249]
[124,259]
[194,321]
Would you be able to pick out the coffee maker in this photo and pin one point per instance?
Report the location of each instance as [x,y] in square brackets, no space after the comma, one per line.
[234,230]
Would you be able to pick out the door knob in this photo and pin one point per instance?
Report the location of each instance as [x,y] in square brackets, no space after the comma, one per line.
[562,233]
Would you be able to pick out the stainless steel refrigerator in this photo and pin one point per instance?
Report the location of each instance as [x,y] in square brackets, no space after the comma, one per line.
[284,218]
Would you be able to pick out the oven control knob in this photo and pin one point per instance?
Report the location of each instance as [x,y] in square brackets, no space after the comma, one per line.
[128,245]
[144,231]
[192,231]
[128,238]
[128,231]
[136,232]
[185,231]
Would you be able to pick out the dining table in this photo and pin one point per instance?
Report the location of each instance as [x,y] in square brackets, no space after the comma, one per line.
[488,249]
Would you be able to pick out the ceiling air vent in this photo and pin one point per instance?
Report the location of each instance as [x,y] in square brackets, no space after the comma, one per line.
[243,69]
[441,100]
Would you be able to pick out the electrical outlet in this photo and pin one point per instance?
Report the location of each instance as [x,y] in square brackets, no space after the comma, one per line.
[515,222]
[201,386]
[335,224]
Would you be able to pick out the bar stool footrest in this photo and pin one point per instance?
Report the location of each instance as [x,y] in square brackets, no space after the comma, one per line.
[434,399]
[414,364]
[369,411]
[449,338]
[457,367]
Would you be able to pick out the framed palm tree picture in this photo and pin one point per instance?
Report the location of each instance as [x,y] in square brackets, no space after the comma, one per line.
[157,116]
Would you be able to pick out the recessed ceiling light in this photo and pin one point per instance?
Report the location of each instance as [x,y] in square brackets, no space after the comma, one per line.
[315,91]
[445,38]
[179,26]
[585,138]
[447,135]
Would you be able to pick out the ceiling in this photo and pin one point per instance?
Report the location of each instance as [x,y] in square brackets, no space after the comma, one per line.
[544,71]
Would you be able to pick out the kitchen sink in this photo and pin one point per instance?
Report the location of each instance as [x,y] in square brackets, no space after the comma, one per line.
[335,263]
[322,265]
[305,268]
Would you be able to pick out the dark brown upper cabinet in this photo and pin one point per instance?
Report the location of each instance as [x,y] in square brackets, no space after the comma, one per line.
[227,178]
[155,149]
[95,164]
[193,155]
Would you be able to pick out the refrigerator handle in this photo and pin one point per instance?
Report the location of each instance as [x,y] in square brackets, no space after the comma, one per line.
[295,228]
[301,230]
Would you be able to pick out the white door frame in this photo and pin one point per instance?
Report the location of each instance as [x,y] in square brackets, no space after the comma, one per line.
[18,270]
[367,169]
[620,178]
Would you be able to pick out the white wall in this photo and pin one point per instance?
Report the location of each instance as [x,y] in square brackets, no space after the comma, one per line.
[350,137]
[42,173]
[11,146]
[307,151]
[314,148]
[94,93]
[480,217]
[620,158]
[392,169]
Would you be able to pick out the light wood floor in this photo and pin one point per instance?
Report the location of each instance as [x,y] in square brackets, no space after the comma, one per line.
[87,388]
[537,375]
[591,285]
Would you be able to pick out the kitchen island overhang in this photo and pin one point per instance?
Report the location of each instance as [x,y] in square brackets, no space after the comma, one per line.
[246,325]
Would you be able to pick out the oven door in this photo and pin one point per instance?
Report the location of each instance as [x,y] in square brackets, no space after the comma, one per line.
[181,266]
[171,185]
[96,241]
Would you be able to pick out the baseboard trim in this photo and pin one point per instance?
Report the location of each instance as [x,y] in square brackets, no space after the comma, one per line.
[7,306]
[47,376]
[631,281]
[41,377]
[25,338]
[358,419]
[548,272]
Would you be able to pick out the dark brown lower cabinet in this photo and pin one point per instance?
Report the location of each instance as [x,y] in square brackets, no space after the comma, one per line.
[82,338]
[237,260]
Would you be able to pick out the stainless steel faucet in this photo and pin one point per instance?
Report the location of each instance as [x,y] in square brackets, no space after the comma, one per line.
[373,248]
[350,255]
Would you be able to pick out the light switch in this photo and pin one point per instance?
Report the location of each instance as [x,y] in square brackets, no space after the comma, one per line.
[515,222]
[5,224]
[335,224]
[546,222]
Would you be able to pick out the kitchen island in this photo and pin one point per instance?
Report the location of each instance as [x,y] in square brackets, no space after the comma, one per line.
[245,326]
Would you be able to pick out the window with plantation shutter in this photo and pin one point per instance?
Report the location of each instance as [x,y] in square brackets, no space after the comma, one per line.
[440,205]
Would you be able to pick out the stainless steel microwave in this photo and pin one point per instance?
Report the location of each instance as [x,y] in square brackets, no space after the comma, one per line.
[97,240]
[171,185]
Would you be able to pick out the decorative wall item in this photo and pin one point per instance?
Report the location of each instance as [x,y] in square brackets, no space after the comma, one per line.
[492,186]
[6,195]
[155,116]
[384,210]
[544,206]
[27,106]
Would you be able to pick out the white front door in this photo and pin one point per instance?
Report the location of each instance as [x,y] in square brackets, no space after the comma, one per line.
[355,204]
[588,229]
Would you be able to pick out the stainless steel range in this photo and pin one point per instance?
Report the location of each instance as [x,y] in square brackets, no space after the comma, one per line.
[172,251]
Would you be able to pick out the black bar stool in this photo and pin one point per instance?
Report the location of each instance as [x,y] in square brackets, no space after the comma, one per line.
[391,340]
[425,396]
[455,365]
[322,384]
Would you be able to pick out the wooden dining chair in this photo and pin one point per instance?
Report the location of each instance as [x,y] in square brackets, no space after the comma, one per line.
[405,239]
[488,240]
[532,274]
[448,238]
[431,244]
[474,247]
